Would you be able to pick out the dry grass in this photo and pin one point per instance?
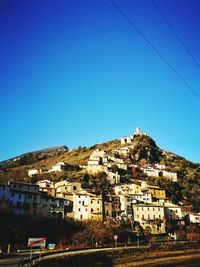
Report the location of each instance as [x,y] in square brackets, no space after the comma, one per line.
[159,258]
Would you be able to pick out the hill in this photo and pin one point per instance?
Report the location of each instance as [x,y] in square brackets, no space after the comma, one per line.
[143,152]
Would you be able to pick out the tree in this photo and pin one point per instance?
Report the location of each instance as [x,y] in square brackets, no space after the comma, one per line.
[147,233]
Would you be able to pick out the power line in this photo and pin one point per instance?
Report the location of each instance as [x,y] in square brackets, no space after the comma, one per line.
[154,48]
[175,33]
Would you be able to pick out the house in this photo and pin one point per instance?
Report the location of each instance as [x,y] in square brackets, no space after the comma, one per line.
[112,209]
[143,197]
[122,151]
[156,191]
[65,189]
[47,186]
[59,167]
[87,206]
[22,198]
[172,211]
[126,208]
[59,207]
[192,218]
[126,189]
[96,162]
[33,172]
[150,215]
[158,172]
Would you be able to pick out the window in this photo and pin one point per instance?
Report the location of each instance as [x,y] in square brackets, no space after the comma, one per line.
[74,188]
[20,196]
[79,209]
[85,209]
[13,194]
[81,217]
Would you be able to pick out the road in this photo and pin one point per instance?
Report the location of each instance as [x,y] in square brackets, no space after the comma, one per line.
[14,259]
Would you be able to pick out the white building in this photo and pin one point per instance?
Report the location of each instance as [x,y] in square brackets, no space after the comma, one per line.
[141,197]
[59,167]
[33,172]
[150,171]
[193,218]
[126,207]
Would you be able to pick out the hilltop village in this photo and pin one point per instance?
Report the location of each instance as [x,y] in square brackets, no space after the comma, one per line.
[134,201]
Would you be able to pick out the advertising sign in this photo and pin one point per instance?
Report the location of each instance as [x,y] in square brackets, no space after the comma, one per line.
[37,242]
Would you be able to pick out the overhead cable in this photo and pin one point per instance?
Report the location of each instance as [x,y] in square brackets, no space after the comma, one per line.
[133,25]
[175,33]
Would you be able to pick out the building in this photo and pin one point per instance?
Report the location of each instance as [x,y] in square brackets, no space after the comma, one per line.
[156,191]
[150,171]
[22,198]
[59,167]
[126,189]
[112,208]
[150,215]
[126,208]
[96,162]
[172,212]
[65,189]
[192,218]
[143,197]
[87,206]
[47,186]
[33,172]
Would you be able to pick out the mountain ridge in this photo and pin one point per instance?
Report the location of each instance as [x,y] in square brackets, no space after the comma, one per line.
[143,152]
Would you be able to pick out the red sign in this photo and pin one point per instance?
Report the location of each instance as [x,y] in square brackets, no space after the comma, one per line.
[37,242]
[115,237]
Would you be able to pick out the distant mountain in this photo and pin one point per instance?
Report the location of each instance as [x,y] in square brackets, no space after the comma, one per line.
[32,156]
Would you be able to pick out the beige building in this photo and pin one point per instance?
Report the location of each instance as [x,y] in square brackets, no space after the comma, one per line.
[156,191]
[47,186]
[150,215]
[87,206]
[127,189]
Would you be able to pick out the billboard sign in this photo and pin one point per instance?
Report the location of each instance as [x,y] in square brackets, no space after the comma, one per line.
[37,242]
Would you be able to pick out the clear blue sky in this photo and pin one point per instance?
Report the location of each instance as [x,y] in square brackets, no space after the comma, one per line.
[75,72]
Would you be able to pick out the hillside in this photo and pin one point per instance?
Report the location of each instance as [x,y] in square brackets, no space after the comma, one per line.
[143,152]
